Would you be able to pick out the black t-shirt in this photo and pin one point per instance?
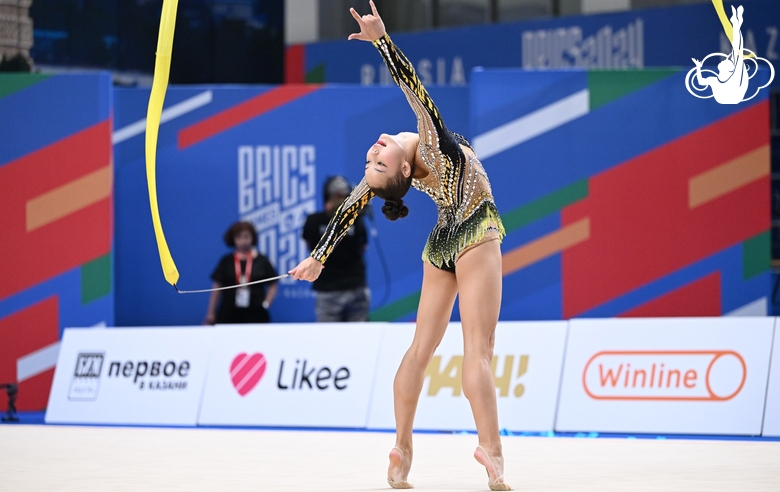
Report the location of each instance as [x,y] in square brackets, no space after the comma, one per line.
[345,268]
[225,275]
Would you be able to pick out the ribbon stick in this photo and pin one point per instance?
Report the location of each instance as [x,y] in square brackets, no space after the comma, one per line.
[272,279]
[162,67]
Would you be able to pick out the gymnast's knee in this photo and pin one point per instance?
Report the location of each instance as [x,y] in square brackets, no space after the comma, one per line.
[421,354]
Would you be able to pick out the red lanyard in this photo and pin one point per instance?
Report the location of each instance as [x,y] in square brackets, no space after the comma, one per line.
[243,277]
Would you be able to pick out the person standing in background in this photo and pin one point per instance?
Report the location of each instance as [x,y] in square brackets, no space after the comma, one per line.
[245,304]
[341,291]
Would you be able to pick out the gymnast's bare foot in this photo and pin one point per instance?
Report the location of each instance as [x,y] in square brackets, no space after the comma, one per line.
[398,471]
[494,467]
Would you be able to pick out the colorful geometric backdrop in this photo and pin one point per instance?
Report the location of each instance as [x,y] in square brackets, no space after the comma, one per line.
[56,211]
[622,195]
[629,197]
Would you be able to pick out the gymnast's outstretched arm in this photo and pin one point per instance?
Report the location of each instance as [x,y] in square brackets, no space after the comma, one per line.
[430,125]
[342,220]
[345,216]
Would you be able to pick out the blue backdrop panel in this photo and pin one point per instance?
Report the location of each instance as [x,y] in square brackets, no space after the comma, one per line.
[658,37]
[596,140]
[205,187]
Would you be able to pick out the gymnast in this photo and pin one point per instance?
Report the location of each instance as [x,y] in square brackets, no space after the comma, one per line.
[461,257]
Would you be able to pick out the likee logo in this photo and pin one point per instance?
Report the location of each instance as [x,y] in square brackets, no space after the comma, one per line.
[86,377]
[716,375]
[246,371]
[730,84]
[451,375]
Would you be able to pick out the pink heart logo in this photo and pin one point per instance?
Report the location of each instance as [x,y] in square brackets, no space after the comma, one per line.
[246,371]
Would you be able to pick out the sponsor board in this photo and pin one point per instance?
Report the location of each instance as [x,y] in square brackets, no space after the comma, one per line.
[130,376]
[307,375]
[772,409]
[526,367]
[668,375]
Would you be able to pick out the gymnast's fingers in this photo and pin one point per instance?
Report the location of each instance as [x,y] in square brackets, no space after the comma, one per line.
[356,16]
[357,35]
[373,8]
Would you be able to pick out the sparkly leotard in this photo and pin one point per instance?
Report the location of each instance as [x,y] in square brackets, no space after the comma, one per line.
[457,182]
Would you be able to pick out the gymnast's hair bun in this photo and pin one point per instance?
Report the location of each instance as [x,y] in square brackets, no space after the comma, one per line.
[395,209]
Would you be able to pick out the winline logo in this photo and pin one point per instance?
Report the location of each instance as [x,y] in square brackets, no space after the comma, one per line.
[692,375]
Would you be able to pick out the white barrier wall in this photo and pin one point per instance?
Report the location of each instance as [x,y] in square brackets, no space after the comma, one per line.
[671,375]
[317,375]
[527,365]
[129,376]
[772,411]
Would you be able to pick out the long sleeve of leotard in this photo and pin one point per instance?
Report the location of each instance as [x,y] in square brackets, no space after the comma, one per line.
[342,220]
[430,126]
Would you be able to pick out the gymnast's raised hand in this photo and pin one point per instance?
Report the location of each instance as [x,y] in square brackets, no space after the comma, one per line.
[371,25]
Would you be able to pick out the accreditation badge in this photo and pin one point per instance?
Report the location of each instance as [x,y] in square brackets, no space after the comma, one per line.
[242,297]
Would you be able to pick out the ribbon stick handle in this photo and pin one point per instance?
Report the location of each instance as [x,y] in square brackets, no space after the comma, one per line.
[162,67]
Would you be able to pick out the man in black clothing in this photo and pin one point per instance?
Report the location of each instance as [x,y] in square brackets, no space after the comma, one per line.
[342,294]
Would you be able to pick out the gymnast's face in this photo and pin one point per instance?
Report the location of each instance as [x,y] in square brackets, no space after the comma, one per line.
[384,160]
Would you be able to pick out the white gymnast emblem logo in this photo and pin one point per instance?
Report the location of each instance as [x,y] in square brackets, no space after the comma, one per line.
[730,84]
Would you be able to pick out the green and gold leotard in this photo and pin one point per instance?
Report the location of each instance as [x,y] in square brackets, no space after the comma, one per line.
[457,182]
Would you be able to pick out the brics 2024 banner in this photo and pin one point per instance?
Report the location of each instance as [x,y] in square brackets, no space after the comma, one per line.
[660,37]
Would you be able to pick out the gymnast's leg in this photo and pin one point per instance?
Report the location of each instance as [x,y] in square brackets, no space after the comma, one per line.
[437,298]
[479,285]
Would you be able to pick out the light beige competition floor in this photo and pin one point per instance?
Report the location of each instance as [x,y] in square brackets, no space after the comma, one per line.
[49,458]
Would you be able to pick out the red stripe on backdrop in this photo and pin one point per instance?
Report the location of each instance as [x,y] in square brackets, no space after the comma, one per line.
[698,298]
[240,113]
[294,64]
[38,255]
[642,227]
[22,333]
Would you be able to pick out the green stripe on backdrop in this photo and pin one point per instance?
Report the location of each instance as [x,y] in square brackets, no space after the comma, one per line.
[756,255]
[606,86]
[521,216]
[316,75]
[397,309]
[96,279]
[14,82]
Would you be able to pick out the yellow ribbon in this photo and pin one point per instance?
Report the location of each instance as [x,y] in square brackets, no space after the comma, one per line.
[162,68]
[718,4]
